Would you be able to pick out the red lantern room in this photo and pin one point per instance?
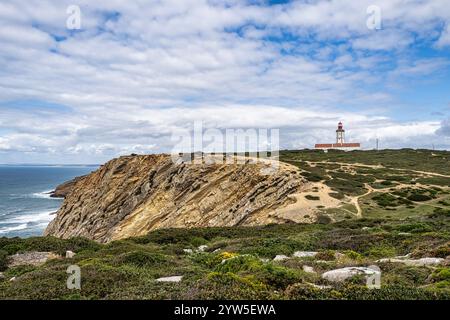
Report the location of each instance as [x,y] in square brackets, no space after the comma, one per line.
[340,126]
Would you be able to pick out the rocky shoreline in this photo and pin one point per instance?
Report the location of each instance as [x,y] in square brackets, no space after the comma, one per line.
[65,188]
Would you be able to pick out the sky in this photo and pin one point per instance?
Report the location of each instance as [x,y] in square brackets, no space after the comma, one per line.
[137,71]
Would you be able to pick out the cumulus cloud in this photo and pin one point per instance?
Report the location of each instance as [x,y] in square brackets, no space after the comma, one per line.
[139,70]
[444,39]
[444,128]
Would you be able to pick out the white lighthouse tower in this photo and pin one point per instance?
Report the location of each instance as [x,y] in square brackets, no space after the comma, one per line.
[340,134]
[340,142]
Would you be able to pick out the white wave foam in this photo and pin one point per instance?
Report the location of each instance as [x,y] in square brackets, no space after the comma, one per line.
[16,228]
[44,216]
[44,195]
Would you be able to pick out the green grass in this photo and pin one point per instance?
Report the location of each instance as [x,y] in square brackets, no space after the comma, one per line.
[234,265]
[127,269]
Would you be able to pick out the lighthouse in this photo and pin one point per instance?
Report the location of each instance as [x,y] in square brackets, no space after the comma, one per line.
[340,134]
[340,142]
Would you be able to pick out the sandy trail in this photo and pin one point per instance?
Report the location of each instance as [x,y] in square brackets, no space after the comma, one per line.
[354,200]
[378,166]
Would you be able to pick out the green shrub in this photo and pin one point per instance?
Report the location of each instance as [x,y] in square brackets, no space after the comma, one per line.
[353,255]
[324,219]
[279,277]
[313,177]
[3,260]
[386,200]
[327,255]
[271,247]
[311,197]
[383,251]
[442,251]
[414,228]
[419,197]
[198,241]
[229,286]
[301,291]
[441,274]
[337,195]
[141,259]
[240,263]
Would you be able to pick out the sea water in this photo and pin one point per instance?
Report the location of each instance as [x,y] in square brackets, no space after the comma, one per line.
[25,204]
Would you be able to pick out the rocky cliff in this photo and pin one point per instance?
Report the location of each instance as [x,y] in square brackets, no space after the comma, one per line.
[133,195]
[64,189]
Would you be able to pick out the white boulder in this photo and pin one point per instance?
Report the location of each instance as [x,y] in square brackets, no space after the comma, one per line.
[415,262]
[280,257]
[303,254]
[70,254]
[339,275]
[308,269]
[170,279]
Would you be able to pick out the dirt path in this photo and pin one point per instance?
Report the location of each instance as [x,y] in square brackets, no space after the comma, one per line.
[355,200]
[379,166]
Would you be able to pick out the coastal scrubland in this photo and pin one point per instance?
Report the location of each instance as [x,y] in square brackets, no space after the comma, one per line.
[394,209]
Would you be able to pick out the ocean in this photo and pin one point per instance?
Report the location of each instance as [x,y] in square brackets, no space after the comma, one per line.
[25,205]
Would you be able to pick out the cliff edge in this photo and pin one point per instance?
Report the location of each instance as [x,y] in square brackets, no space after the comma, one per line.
[133,195]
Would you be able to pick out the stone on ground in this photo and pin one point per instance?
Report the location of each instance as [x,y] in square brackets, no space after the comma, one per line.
[170,279]
[308,269]
[31,258]
[303,254]
[415,262]
[280,257]
[70,254]
[339,275]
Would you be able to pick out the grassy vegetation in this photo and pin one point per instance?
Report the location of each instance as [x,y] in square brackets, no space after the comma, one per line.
[233,266]
[408,212]
[420,160]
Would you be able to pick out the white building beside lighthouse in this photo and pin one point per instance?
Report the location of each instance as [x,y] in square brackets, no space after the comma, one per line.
[340,142]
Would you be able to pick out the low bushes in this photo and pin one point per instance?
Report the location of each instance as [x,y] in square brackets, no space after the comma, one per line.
[141,259]
[3,260]
[59,246]
[419,197]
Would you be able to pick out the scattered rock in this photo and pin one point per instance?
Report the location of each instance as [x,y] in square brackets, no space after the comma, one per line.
[32,258]
[280,257]
[339,275]
[2,276]
[12,279]
[365,228]
[170,279]
[303,254]
[188,251]
[319,286]
[308,269]
[265,260]
[404,234]
[202,248]
[415,262]
[70,254]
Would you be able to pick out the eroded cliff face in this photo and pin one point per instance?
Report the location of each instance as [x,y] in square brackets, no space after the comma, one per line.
[133,195]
